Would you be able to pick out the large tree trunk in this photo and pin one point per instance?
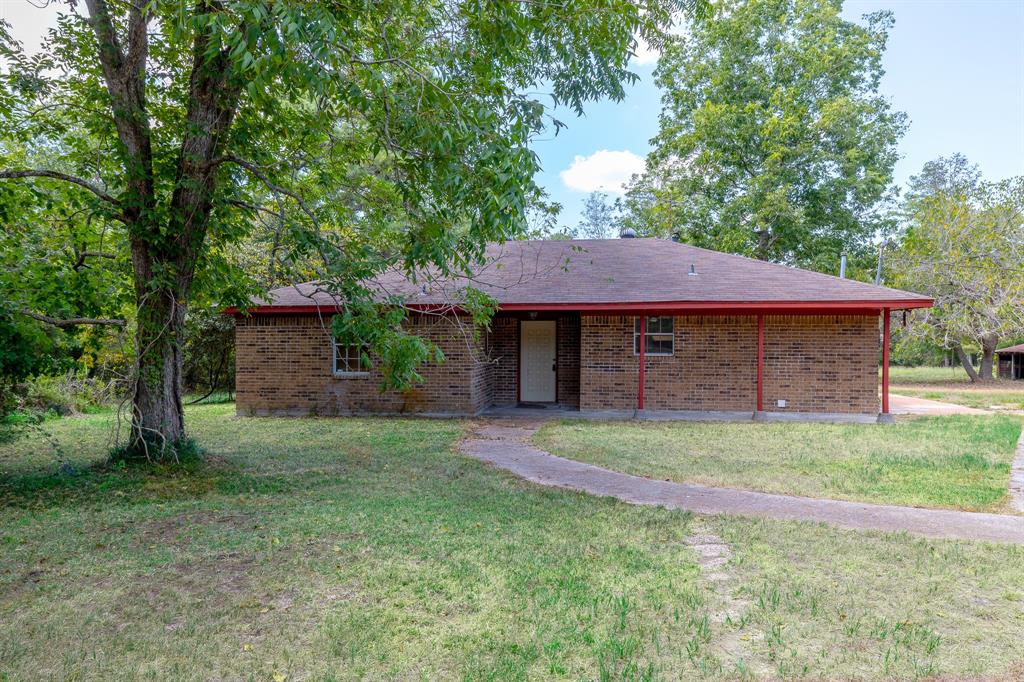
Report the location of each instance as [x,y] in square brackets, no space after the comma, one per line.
[988,353]
[965,360]
[158,422]
[164,249]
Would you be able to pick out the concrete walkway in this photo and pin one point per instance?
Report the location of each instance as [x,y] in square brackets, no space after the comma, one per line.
[505,444]
[1017,477]
[905,404]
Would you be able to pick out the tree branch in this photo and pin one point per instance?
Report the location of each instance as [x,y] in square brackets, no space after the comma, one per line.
[262,177]
[41,173]
[124,77]
[80,260]
[73,321]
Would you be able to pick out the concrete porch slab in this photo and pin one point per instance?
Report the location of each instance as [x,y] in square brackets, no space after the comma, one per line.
[561,412]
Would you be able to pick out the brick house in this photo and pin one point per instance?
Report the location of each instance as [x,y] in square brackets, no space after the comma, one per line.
[620,324]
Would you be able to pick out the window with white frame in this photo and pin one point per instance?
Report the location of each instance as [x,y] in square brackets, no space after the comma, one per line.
[659,337]
[348,359]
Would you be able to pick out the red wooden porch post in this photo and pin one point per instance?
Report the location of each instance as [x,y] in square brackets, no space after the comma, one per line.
[885,361]
[642,340]
[760,363]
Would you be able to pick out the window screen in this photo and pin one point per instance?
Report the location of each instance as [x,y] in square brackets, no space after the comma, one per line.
[659,336]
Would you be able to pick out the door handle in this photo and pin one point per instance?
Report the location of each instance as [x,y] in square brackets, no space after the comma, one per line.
[554,366]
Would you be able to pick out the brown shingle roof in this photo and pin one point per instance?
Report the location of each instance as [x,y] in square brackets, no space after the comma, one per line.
[1019,348]
[623,271]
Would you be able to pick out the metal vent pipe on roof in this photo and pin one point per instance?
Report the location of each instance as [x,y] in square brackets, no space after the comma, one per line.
[627,233]
[842,267]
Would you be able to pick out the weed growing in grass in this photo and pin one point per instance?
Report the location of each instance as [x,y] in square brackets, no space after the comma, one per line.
[183,452]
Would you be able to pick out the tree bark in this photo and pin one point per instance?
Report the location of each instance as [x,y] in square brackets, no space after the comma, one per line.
[164,251]
[764,244]
[158,421]
[64,323]
[965,360]
[988,353]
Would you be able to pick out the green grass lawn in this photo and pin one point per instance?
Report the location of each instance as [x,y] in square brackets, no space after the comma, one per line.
[960,462]
[951,385]
[927,375]
[322,549]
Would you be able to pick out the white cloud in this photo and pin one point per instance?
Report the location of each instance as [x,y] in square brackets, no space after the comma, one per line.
[31,20]
[645,53]
[604,170]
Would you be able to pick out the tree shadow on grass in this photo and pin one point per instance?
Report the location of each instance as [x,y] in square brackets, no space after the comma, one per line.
[122,483]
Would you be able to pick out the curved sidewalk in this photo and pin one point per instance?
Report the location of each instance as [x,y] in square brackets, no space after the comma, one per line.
[507,447]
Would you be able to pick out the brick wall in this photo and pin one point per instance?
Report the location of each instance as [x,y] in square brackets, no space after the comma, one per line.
[608,368]
[284,365]
[821,363]
[568,361]
[504,353]
[714,366]
[817,364]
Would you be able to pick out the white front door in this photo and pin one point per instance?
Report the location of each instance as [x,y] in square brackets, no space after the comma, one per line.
[537,361]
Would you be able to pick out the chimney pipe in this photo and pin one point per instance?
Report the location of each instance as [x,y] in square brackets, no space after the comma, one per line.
[842,267]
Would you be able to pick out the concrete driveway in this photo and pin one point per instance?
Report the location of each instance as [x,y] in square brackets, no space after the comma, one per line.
[905,404]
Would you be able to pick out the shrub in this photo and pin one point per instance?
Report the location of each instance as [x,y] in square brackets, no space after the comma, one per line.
[72,393]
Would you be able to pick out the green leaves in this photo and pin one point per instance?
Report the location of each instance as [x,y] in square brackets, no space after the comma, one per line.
[774,141]
[291,141]
[964,247]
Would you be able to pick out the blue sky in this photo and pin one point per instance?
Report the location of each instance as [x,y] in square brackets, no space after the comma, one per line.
[956,69]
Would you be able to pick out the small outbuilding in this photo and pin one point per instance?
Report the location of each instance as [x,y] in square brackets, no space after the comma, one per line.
[1011,362]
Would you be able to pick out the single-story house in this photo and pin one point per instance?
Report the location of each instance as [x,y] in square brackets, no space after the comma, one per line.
[1011,362]
[596,325]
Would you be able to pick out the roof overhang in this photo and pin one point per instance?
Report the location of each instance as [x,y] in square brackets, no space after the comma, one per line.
[863,307]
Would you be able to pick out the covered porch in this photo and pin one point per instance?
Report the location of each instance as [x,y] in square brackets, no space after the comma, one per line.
[728,363]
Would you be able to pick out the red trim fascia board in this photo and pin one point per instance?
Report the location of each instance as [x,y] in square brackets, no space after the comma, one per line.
[282,310]
[642,307]
[709,307]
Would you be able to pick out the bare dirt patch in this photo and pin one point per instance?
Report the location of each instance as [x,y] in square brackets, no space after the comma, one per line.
[176,531]
[226,574]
